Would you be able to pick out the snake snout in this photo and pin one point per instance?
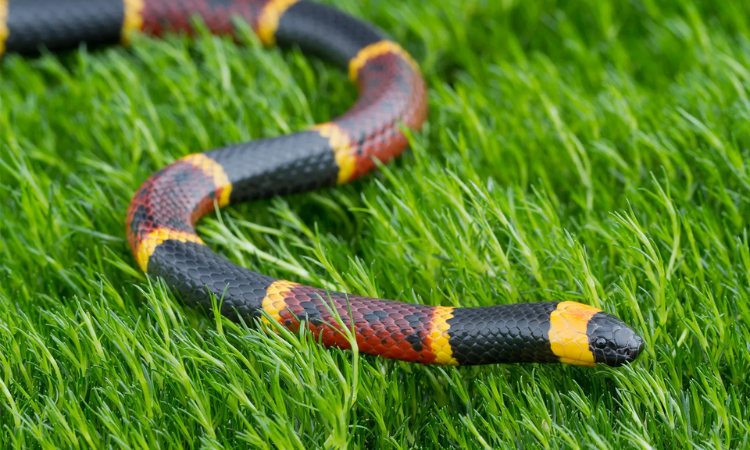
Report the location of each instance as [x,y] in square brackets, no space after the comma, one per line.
[613,342]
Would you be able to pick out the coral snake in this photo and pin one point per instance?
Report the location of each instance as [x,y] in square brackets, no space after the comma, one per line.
[392,97]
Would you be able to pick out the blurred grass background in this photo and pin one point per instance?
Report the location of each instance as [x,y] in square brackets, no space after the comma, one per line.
[594,151]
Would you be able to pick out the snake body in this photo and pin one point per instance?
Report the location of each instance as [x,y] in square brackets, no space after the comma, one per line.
[162,214]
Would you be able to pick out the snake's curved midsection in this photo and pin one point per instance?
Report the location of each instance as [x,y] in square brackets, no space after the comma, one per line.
[162,214]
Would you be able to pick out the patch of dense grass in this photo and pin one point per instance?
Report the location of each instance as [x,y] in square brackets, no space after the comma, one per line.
[592,150]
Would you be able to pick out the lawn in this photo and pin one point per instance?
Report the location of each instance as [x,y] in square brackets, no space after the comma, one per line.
[595,151]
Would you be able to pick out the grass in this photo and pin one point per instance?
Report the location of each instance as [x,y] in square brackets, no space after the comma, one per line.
[594,151]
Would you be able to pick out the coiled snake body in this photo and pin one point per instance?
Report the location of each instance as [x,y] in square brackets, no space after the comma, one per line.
[392,95]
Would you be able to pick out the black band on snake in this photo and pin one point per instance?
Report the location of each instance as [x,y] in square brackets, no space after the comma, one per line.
[392,95]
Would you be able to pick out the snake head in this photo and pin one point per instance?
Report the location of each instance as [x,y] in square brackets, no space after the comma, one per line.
[611,341]
[583,335]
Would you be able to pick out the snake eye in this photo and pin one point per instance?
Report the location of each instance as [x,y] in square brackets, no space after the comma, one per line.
[600,343]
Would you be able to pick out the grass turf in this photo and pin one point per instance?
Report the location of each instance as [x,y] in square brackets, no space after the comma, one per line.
[591,150]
